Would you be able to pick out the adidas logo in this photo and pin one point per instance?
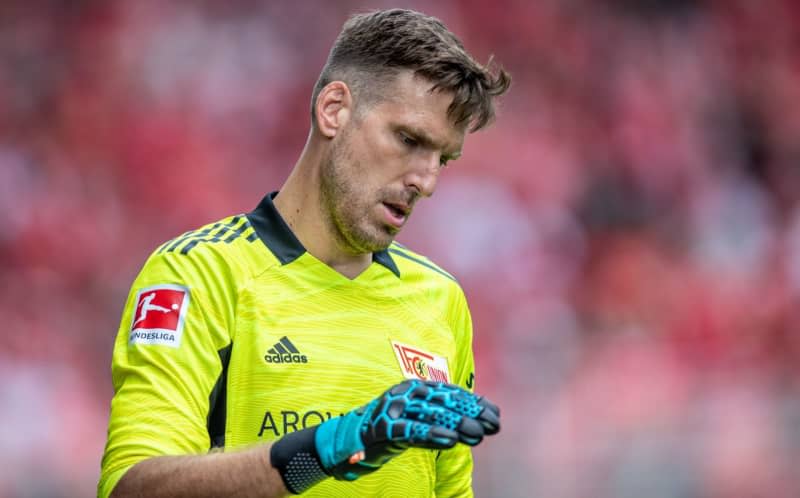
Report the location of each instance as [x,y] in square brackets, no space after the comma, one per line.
[284,352]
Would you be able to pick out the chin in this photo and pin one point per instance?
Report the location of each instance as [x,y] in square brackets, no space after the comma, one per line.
[379,245]
[376,242]
[370,235]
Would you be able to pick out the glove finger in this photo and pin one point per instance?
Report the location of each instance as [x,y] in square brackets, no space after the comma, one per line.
[411,389]
[402,388]
[489,418]
[432,437]
[403,433]
[444,405]
[454,398]
[470,431]
[475,407]
[466,429]
[432,414]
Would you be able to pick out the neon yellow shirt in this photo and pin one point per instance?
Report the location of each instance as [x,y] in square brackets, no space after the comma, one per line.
[234,335]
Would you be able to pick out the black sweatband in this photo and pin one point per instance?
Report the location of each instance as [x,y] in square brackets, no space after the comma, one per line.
[295,458]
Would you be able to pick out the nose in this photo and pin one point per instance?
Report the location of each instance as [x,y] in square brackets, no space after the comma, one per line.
[423,176]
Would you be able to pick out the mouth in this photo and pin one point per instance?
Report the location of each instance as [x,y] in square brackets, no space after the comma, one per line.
[396,213]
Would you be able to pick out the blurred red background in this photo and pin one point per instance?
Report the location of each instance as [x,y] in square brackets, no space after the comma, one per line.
[628,233]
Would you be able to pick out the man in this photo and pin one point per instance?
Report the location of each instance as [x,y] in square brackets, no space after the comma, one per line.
[273,334]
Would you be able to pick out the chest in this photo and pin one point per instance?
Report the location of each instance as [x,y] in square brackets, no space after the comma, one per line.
[308,353]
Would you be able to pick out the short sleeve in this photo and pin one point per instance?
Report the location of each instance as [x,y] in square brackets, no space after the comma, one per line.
[167,360]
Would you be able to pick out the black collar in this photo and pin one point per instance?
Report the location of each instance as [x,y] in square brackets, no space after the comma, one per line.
[281,241]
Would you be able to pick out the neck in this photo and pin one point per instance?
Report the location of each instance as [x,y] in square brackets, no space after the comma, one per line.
[299,202]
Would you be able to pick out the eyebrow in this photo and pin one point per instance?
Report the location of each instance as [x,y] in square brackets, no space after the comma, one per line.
[426,141]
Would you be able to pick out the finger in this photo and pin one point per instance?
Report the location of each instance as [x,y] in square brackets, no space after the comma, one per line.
[458,400]
[403,387]
[445,405]
[412,389]
[470,431]
[469,405]
[405,433]
[439,422]
[476,407]
[432,413]
[434,437]
[489,417]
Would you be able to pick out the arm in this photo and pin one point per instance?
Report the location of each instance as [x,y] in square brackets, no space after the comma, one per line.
[411,414]
[242,473]
[163,387]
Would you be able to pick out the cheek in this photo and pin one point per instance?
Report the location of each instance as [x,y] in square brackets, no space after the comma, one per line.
[380,155]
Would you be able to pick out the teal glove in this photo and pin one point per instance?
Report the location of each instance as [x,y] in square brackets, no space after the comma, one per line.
[414,413]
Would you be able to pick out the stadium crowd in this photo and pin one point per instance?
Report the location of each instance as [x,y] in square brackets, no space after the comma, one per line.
[628,233]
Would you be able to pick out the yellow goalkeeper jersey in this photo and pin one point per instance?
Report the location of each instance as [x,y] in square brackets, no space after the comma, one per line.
[234,335]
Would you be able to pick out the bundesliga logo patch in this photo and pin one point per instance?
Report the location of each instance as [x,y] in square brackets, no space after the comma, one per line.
[159,315]
[418,364]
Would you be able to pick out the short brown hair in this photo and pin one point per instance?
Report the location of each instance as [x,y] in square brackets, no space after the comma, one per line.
[374,46]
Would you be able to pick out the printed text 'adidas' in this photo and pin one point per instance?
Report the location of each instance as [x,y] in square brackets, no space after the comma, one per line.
[284,352]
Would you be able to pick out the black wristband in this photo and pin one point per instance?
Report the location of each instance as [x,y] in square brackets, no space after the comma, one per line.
[295,458]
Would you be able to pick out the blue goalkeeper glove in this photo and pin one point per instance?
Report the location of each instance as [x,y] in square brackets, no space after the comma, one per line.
[414,413]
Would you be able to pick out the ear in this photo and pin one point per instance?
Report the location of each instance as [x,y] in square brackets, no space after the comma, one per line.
[333,107]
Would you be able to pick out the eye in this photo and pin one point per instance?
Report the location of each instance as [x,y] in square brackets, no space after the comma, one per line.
[408,141]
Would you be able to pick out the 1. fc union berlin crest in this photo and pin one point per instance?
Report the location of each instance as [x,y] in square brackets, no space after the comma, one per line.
[418,364]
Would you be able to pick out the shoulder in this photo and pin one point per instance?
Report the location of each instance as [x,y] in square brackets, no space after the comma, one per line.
[228,249]
[227,232]
[416,264]
[417,269]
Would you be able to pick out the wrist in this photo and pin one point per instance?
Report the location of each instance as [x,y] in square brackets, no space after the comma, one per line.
[337,440]
[297,460]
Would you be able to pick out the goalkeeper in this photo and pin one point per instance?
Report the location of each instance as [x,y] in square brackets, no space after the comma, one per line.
[252,352]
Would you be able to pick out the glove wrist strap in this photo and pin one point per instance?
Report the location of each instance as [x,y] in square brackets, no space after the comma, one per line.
[296,459]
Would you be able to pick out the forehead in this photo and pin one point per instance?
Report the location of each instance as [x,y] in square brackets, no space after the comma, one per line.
[409,100]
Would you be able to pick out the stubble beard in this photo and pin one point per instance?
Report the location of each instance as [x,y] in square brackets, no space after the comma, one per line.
[348,206]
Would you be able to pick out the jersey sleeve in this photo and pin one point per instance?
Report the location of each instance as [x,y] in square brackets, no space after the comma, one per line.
[454,466]
[167,360]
